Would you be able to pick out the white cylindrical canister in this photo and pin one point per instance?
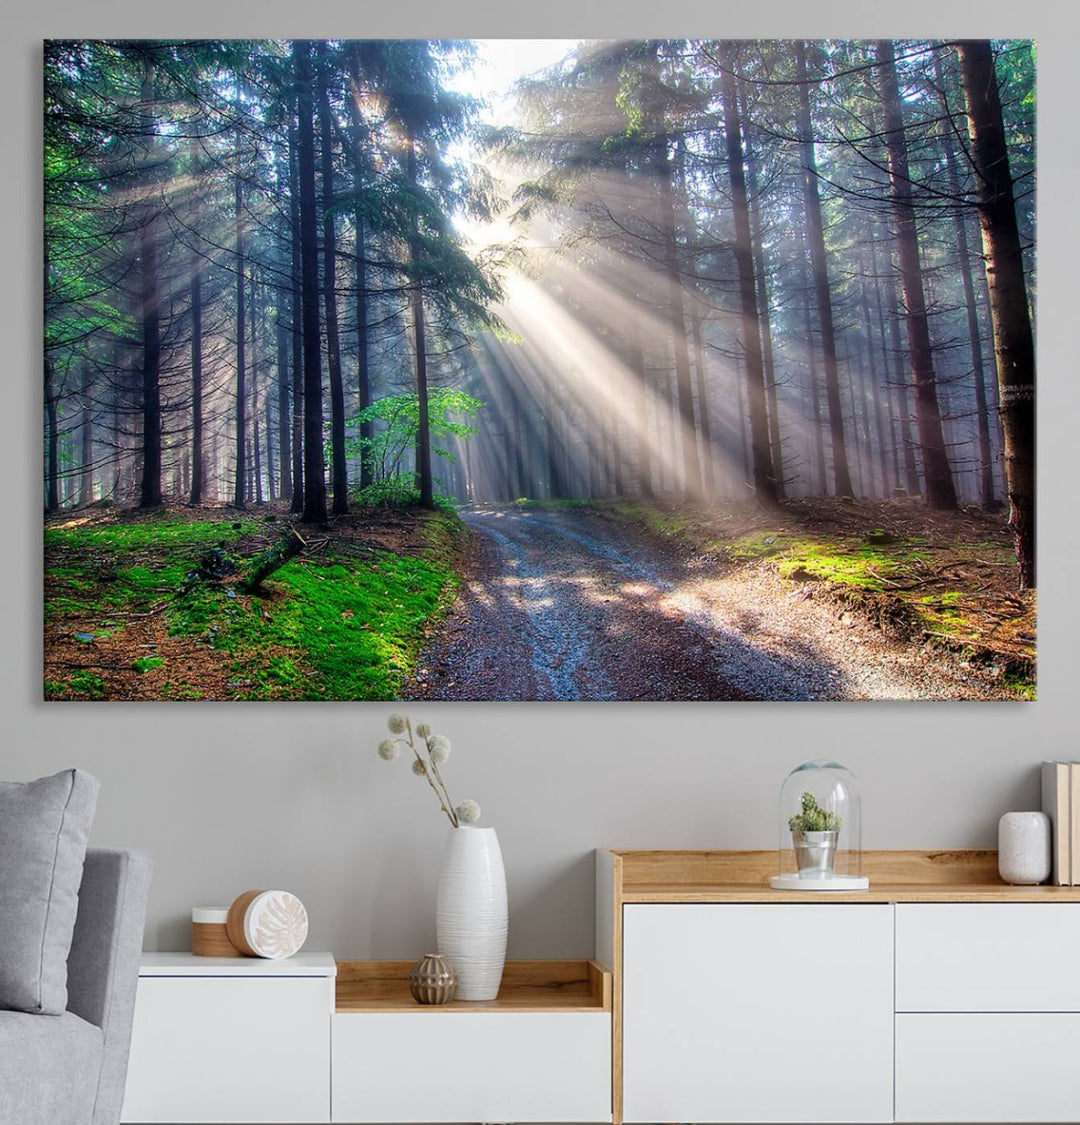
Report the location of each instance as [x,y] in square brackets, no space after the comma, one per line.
[1024,847]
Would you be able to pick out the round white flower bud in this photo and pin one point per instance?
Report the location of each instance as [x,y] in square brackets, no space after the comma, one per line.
[397,724]
[419,768]
[468,812]
[439,748]
[423,729]
[388,749]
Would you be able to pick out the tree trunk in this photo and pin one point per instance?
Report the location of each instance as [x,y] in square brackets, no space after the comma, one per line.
[195,497]
[256,445]
[854,417]
[888,384]
[283,416]
[764,317]
[684,392]
[52,439]
[963,254]
[940,490]
[911,462]
[150,490]
[812,375]
[363,359]
[423,431]
[764,475]
[1013,342]
[556,484]
[86,437]
[708,460]
[314,510]
[876,385]
[275,557]
[641,395]
[240,485]
[339,472]
[820,269]
[296,312]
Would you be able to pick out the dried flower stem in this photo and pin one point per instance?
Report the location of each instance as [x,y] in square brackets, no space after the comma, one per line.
[446,792]
[443,796]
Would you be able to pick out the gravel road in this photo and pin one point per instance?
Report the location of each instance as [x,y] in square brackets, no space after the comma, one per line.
[569,605]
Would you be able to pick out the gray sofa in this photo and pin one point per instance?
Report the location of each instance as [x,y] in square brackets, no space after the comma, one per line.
[70,1069]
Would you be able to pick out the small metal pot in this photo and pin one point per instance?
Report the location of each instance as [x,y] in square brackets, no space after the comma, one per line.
[815,853]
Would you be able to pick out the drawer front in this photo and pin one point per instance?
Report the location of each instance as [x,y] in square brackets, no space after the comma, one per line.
[472,1066]
[986,1067]
[758,1013]
[988,957]
[230,1049]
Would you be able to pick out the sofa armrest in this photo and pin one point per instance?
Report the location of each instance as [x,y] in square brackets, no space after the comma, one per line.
[103,966]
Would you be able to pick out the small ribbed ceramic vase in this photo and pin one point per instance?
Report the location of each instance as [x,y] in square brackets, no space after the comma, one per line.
[470,914]
[1024,848]
[433,980]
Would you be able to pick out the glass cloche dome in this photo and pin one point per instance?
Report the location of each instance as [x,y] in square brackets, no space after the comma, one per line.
[820,830]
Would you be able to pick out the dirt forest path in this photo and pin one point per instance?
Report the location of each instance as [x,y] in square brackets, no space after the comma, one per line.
[569,605]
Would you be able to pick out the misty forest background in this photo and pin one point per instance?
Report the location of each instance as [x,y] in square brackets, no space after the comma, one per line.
[324,275]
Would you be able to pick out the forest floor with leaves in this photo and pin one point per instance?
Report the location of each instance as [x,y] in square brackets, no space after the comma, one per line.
[820,599]
[126,620]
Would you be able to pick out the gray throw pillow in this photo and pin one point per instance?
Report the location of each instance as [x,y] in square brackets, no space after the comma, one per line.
[44,826]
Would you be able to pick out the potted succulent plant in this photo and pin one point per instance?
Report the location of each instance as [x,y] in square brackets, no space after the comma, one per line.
[814,835]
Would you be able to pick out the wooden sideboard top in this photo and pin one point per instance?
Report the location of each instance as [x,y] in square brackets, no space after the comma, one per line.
[895,876]
[527,986]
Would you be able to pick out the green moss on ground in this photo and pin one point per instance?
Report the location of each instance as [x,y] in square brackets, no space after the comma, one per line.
[346,622]
[82,684]
[1022,684]
[527,503]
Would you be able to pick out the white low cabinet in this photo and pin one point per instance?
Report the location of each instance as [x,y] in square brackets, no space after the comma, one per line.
[758,1013]
[231,1040]
[440,1066]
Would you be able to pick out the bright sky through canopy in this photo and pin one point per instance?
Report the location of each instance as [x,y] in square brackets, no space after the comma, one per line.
[499,64]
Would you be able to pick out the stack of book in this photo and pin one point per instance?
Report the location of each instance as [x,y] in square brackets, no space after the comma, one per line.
[1061,803]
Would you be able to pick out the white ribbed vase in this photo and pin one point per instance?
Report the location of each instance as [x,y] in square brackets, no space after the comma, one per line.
[470,914]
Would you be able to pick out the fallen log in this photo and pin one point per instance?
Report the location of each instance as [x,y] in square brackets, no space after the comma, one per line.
[273,558]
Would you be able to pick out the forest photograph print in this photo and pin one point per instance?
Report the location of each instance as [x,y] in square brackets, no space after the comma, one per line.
[668,369]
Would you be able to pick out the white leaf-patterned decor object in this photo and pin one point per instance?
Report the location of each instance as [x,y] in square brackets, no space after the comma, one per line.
[273,924]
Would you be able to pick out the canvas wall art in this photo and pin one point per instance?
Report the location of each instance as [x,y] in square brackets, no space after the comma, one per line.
[539,370]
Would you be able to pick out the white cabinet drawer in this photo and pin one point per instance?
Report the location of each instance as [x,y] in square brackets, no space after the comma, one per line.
[235,1049]
[758,1013]
[472,1066]
[988,957]
[985,1067]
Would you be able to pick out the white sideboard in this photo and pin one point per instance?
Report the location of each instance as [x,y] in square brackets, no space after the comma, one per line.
[230,1039]
[238,1040]
[940,995]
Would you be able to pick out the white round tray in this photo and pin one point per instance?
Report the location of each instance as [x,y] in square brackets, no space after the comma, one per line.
[834,883]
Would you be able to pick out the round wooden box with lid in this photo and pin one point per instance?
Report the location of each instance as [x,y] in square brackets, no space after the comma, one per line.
[271,924]
[209,934]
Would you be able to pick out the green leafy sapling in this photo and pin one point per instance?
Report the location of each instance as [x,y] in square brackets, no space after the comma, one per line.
[813,818]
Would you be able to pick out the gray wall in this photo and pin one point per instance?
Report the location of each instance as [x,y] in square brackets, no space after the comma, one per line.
[239,796]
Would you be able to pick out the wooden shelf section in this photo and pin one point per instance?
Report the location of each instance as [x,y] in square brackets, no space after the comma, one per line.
[895,876]
[527,986]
